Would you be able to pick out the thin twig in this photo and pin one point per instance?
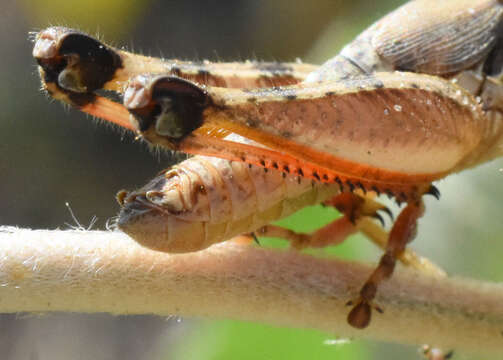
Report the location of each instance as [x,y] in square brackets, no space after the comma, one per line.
[98,271]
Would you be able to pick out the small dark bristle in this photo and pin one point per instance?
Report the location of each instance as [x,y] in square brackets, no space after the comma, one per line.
[376,190]
[360,185]
[339,182]
[351,186]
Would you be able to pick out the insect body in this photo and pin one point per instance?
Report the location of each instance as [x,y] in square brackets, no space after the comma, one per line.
[380,130]
[413,99]
[205,200]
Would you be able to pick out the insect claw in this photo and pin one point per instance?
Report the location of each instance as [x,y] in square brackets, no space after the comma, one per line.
[388,212]
[449,354]
[434,192]
[255,238]
[379,217]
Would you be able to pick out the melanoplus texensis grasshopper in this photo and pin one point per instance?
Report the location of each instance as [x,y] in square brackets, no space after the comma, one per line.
[414,98]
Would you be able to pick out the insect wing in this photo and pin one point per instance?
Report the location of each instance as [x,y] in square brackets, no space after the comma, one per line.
[438,37]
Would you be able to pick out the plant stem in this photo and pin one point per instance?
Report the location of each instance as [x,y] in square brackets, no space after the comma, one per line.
[105,271]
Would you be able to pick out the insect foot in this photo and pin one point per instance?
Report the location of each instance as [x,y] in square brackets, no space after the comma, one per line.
[355,207]
[403,231]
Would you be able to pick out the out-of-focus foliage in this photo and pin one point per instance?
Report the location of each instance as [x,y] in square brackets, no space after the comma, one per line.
[112,18]
[229,340]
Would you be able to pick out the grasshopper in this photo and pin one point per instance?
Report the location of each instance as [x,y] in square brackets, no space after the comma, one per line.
[414,98]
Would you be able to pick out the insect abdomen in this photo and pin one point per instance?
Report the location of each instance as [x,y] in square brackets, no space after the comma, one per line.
[205,200]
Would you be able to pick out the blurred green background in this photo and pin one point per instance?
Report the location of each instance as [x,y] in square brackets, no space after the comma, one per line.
[50,155]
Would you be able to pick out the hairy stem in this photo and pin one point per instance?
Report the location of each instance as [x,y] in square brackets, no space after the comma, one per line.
[103,271]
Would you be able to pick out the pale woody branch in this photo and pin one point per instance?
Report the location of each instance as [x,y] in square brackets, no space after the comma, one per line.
[96,271]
